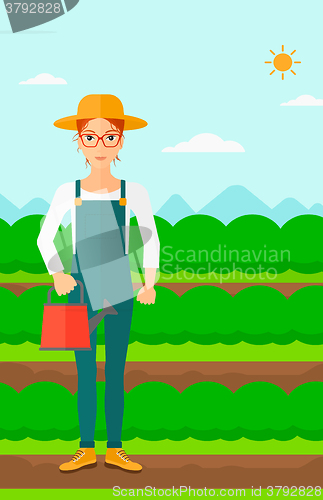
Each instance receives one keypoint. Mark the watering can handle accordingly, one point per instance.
(81, 292)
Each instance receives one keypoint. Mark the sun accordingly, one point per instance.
(283, 62)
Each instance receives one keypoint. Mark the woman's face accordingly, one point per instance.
(100, 153)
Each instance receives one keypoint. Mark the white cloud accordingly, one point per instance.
(44, 79)
(304, 100)
(205, 143)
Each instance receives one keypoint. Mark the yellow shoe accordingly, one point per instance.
(117, 457)
(84, 457)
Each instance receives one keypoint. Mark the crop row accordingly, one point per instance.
(204, 315)
(155, 410)
(198, 244)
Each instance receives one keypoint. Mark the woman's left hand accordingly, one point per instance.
(146, 296)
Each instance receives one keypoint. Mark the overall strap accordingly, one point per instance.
(123, 202)
(123, 199)
(78, 202)
(78, 199)
(77, 188)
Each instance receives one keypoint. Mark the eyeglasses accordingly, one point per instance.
(91, 140)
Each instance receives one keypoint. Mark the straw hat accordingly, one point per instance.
(100, 106)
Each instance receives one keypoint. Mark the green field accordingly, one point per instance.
(189, 446)
(106, 493)
(185, 352)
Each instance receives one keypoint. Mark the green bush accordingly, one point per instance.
(303, 236)
(159, 323)
(10, 321)
(192, 241)
(204, 315)
(306, 409)
(209, 412)
(262, 316)
(50, 411)
(156, 411)
(22, 317)
(24, 233)
(11, 416)
(305, 312)
(255, 240)
(20, 251)
(8, 263)
(198, 244)
(153, 411)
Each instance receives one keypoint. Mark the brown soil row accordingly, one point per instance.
(166, 471)
(180, 375)
(286, 289)
(19, 288)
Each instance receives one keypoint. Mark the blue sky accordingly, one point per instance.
(185, 67)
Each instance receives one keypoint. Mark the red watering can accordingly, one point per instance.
(65, 326)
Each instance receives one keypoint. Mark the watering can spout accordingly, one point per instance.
(66, 327)
(107, 309)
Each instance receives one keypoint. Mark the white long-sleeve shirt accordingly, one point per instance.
(64, 200)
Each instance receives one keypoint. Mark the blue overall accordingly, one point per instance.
(100, 244)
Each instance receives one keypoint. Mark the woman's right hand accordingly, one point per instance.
(63, 283)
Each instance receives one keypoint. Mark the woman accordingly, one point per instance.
(100, 209)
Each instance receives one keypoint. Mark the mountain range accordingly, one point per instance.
(10, 213)
(228, 205)
(234, 202)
